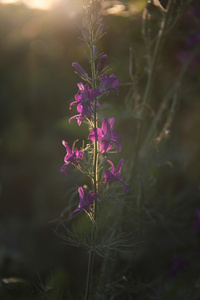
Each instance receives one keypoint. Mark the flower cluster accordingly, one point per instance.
(87, 101)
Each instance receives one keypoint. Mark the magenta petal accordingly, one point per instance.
(73, 212)
(81, 193)
(68, 149)
(96, 134)
(94, 93)
(119, 166)
(126, 188)
(111, 122)
(118, 146)
(79, 120)
(112, 165)
(108, 176)
(75, 102)
(105, 126)
(91, 197)
(80, 108)
(115, 136)
(98, 104)
(105, 146)
(85, 200)
(63, 169)
(74, 117)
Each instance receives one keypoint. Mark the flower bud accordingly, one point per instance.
(99, 31)
(85, 34)
(101, 62)
(79, 70)
(94, 18)
(85, 23)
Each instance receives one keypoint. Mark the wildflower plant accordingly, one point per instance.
(116, 228)
(102, 137)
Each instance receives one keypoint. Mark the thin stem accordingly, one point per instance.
(151, 59)
(95, 177)
(151, 62)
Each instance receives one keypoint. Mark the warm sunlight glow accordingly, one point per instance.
(116, 9)
(39, 4)
(8, 1)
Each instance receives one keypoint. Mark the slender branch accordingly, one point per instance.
(95, 176)
(151, 59)
(151, 62)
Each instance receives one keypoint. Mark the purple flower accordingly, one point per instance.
(115, 174)
(109, 83)
(73, 156)
(101, 63)
(106, 135)
(84, 111)
(179, 263)
(85, 200)
(85, 94)
(79, 70)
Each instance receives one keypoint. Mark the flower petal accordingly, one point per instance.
(115, 136)
(96, 134)
(91, 197)
(105, 146)
(81, 193)
(117, 145)
(119, 166)
(112, 165)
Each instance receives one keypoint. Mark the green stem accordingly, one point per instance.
(95, 179)
(151, 67)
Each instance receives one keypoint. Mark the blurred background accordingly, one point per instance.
(39, 40)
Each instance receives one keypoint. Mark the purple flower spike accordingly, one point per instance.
(84, 111)
(101, 63)
(85, 94)
(106, 135)
(115, 174)
(73, 156)
(79, 70)
(109, 83)
(85, 201)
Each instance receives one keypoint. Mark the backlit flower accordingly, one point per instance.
(106, 135)
(115, 174)
(85, 200)
(84, 111)
(109, 83)
(85, 94)
(73, 156)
